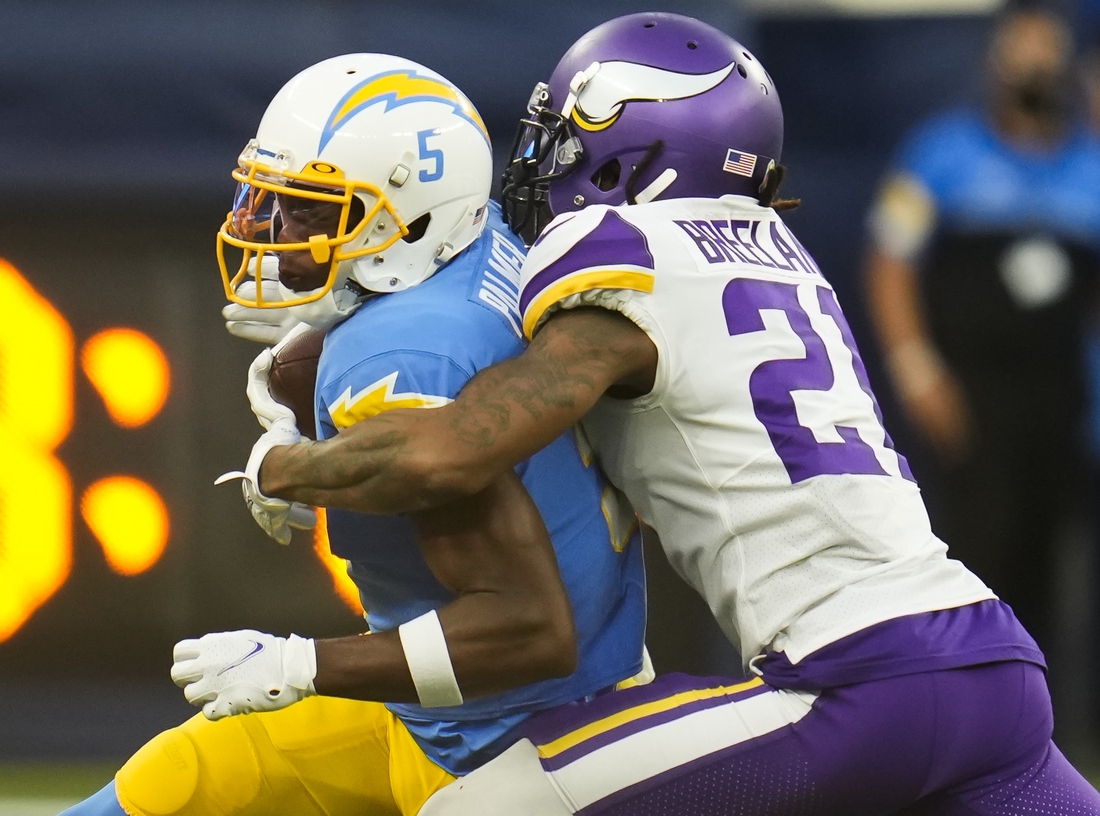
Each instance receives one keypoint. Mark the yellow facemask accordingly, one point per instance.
(253, 225)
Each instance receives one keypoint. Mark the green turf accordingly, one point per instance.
(55, 780)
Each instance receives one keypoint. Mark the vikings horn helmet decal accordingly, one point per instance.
(616, 83)
(643, 106)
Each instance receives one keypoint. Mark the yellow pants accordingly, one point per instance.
(323, 756)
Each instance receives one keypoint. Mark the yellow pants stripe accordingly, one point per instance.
(574, 738)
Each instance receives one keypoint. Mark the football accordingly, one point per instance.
(293, 377)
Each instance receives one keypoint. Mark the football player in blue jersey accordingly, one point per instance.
(673, 312)
(983, 273)
(369, 177)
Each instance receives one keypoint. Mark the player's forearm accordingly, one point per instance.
(364, 667)
(495, 644)
(411, 459)
(894, 300)
(378, 466)
(397, 462)
(510, 624)
(500, 642)
(897, 311)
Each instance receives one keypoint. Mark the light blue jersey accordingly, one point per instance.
(418, 348)
(980, 183)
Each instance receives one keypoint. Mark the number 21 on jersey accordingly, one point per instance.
(774, 383)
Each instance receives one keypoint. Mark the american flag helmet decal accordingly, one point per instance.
(738, 163)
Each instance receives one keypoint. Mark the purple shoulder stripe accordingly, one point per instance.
(613, 242)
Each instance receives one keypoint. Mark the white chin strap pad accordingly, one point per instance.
(324, 313)
(659, 185)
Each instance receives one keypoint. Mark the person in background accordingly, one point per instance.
(981, 271)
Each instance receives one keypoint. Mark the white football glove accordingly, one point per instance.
(276, 517)
(264, 406)
(238, 672)
(267, 326)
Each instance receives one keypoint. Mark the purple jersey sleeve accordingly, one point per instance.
(594, 250)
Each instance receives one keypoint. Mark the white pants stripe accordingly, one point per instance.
(669, 745)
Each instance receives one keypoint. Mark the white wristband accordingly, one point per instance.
(429, 661)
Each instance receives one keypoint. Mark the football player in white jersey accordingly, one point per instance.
(673, 313)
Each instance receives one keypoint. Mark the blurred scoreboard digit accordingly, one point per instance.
(121, 399)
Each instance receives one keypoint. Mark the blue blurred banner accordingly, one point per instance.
(157, 99)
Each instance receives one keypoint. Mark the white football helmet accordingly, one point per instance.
(398, 154)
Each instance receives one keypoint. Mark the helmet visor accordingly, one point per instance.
(252, 214)
(259, 215)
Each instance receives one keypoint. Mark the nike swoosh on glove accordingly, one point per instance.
(237, 672)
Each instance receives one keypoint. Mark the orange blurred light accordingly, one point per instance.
(130, 521)
(36, 357)
(337, 567)
(130, 372)
(36, 406)
(35, 531)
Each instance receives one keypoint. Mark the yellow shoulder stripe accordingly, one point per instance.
(591, 730)
(585, 281)
(622, 521)
(377, 397)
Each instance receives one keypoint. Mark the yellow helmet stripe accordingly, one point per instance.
(396, 88)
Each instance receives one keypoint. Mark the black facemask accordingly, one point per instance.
(544, 149)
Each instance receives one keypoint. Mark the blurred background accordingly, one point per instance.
(122, 396)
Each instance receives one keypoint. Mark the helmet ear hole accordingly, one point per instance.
(417, 228)
(606, 178)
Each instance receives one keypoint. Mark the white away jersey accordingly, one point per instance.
(759, 457)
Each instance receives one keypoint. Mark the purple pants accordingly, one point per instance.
(974, 740)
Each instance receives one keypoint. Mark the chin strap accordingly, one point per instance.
(334, 307)
(357, 289)
(576, 85)
(632, 194)
(465, 232)
(659, 185)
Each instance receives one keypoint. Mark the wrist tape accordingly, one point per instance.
(429, 661)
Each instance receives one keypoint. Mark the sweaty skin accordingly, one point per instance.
(511, 623)
(409, 460)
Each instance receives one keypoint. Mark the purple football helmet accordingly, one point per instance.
(643, 105)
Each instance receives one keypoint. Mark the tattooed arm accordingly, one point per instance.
(408, 460)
